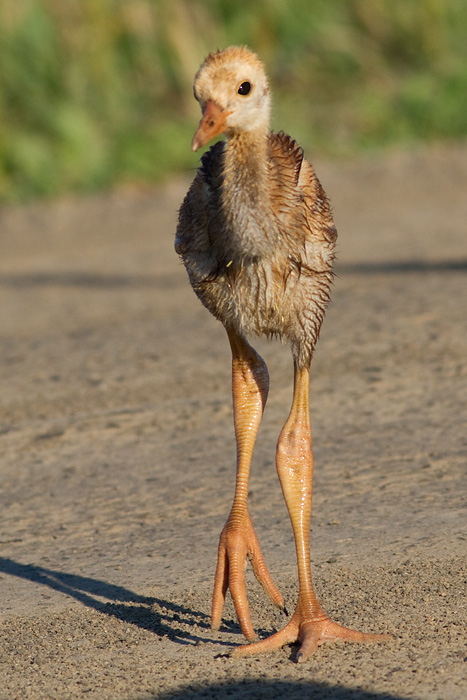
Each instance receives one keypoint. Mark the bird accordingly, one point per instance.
(256, 235)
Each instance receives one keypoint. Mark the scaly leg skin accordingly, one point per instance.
(309, 625)
(238, 541)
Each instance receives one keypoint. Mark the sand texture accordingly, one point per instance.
(117, 452)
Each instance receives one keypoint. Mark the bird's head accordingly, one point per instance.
(232, 89)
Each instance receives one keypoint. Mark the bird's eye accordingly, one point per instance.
(244, 88)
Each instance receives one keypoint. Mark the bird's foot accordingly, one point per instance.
(309, 633)
(238, 542)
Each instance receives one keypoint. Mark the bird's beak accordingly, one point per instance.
(211, 124)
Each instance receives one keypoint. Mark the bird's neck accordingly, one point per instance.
(246, 162)
(245, 193)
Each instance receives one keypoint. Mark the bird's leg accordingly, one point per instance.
(309, 625)
(238, 541)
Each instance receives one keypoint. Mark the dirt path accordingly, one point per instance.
(117, 451)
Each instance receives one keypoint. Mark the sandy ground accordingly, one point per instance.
(117, 450)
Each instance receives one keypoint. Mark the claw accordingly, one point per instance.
(237, 544)
(310, 634)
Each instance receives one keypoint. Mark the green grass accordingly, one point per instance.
(96, 92)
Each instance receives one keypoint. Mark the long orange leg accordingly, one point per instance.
(238, 541)
(309, 625)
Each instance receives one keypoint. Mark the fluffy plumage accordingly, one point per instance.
(255, 230)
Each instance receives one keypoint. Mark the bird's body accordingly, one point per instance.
(257, 238)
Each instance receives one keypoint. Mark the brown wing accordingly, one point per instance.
(305, 210)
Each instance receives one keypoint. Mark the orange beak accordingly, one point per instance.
(211, 124)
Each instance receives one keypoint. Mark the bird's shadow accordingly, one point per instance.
(162, 617)
(274, 689)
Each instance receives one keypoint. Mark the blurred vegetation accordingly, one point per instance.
(95, 92)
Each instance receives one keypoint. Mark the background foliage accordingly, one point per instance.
(94, 92)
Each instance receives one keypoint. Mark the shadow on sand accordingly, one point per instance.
(162, 617)
(272, 690)
(99, 281)
(402, 266)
